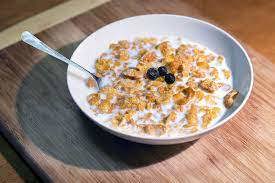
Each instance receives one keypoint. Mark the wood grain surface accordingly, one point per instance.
(40, 119)
(11, 12)
(12, 167)
(7, 173)
(46, 19)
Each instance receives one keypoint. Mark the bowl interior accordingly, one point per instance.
(161, 25)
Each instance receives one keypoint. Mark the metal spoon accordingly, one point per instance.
(30, 39)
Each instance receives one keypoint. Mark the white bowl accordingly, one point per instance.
(192, 29)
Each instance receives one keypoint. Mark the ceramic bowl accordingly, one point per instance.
(192, 29)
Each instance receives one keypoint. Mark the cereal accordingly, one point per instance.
(103, 65)
(117, 120)
(200, 95)
(90, 83)
(169, 58)
(191, 83)
(94, 99)
(220, 59)
(165, 48)
(123, 55)
(189, 92)
(181, 50)
(149, 57)
(179, 98)
(229, 98)
(171, 117)
(124, 44)
(209, 116)
(203, 65)
(142, 52)
(226, 73)
(133, 103)
(192, 116)
(105, 106)
(208, 85)
(132, 73)
(210, 99)
(215, 73)
(198, 73)
(154, 129)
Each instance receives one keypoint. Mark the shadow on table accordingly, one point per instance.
(53, 122)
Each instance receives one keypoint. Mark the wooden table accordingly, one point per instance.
(41, 121)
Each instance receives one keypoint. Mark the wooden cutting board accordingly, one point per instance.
(40, 119)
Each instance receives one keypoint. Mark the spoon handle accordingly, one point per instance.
(30, 39)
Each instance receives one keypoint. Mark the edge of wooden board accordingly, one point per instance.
(47, 19)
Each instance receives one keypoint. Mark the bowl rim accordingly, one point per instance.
(185, 136)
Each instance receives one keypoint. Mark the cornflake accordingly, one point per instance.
(192, 116)
(215, 73)
(226, 73)
(208, 85)
(210, 115)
